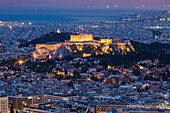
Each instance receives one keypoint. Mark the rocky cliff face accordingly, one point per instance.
(100, 49)
(84, 49)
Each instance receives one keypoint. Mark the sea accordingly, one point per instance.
(67, 16)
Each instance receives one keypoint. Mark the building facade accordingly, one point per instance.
(19, 102)
(3, 104)
(59, 98)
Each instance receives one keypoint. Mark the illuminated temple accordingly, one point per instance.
(79, 44)
(81, 38)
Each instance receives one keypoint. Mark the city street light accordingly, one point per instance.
(20, 62)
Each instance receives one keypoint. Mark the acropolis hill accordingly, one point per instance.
(83, 45)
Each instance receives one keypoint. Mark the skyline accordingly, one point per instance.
(84, 56)
(78, 3)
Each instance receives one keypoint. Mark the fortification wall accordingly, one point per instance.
(50, 47)
(106, 40)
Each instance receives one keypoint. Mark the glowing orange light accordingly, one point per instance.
(20, 62)
(107, 6)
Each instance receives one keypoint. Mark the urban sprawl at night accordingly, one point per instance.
(99, 67)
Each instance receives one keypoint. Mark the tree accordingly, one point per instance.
(117, 81)
(138, 90)
(152, 66)
(31, 81)
(5, 76)
(76, 74)
(77, 65)
(146, 88)
(166, 75)
(50, 37)
(102, 79)
(94, 78)
(140, 78)
(11, 110)
(70, 106)
(59, 77)
(99, 70)
(70, 84)
(136, 72)
(123, 83)
(68, 57)
(84, 69)
(146, 77)
(66, 72)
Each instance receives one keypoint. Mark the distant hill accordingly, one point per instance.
(153, 47)
(142, 52)
(52, 37)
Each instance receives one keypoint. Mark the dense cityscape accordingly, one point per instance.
(97, 67)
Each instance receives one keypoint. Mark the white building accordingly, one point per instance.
(59, 98)
(92, 69)
(3, 104)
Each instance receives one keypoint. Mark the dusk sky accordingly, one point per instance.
(77, 3)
